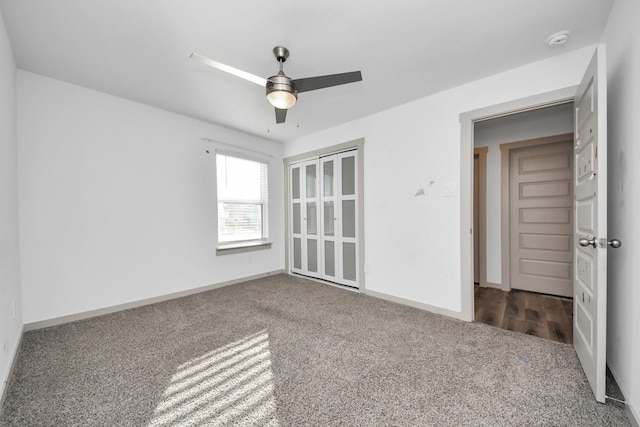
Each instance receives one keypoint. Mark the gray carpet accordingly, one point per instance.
(291, 352)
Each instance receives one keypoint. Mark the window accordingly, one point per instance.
(242, 199)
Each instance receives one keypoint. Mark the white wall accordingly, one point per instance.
(540, 123)
(118, 201)
(10, 326)
(413, 244)
(622, 36)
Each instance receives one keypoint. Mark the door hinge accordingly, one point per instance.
(596, 151)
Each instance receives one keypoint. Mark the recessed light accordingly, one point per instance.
(559, 38)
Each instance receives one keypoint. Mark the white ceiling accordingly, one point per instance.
(139, 50)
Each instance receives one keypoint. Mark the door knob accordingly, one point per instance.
(584, 241)
(614, 243)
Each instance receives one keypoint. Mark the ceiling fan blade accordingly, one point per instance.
(320, 82)
(228, 69)
(281, 115)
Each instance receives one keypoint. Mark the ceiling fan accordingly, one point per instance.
(282, 91)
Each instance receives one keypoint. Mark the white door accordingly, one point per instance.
(347, 218)
(305, 218)
(590, 223)
(323, 212)
(328, 218)
(295, 215)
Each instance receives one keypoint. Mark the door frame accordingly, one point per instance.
(467, 120)
(505, 199)
(357, 144)
(482, 214)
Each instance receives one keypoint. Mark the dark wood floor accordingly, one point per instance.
(541, 315)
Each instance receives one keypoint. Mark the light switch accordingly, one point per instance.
(449, 189)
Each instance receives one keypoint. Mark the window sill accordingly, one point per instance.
(240, 247)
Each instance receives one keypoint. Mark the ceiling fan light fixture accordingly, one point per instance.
(282, 99)
(280, 92)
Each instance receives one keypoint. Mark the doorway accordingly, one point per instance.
(530, 313)
(540, 205)
(590, 241)
(468, 122)
(527, 216)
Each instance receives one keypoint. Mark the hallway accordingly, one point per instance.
(530, 313)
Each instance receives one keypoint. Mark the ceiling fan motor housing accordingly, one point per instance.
(281, 83)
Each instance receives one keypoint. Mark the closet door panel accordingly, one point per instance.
(295, 183)
(329, 217)
(312, 255)
(349, 175)
(296, 219)
(305, 218)
(297, 253)
(349, 218)
(329, 259)
(328, 176)
(311, 176)
(324, 218)
(312, 219)
(349, 261)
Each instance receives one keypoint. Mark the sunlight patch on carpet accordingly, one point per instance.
(229, 385)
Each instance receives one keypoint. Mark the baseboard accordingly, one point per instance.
(415, 304)
(326, 282)
(120, 307)
(630, 412)
(12, 365)
(632, 415)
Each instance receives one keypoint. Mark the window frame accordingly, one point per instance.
(236, 246)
